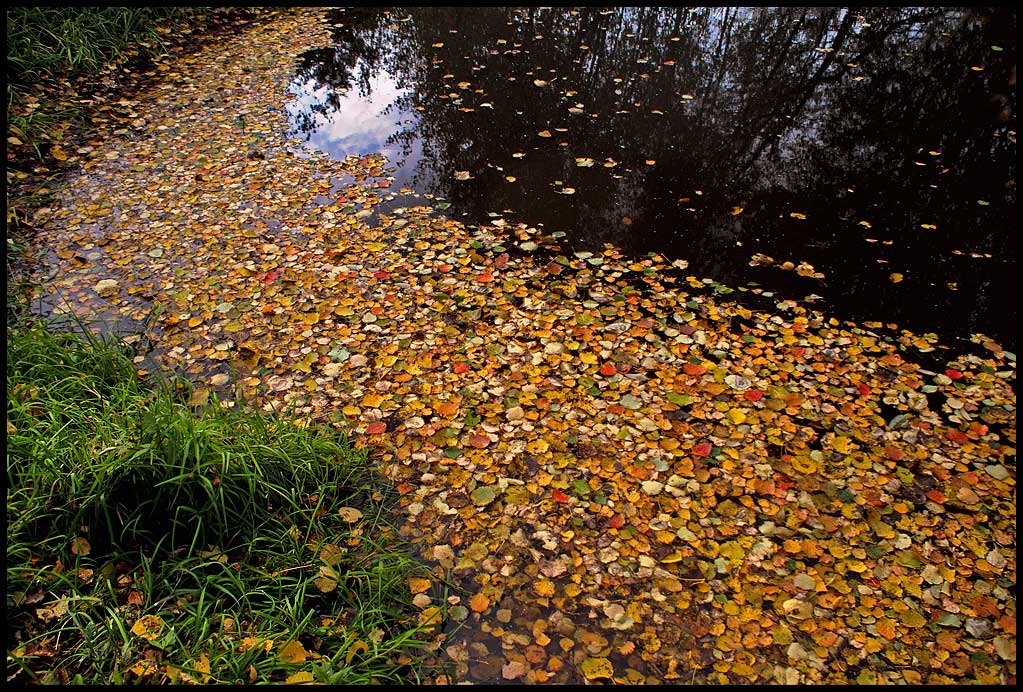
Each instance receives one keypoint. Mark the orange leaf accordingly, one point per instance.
(886, 628)
(447, 409)
(479, 603)
(376, 427)
(703, 449)
(418, 584)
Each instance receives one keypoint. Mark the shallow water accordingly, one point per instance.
(874, 153)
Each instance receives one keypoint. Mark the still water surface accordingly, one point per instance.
(872, 150)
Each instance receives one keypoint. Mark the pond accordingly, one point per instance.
(861, 161)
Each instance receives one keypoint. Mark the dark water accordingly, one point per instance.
(891, 130)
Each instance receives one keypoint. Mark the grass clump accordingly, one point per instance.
(48, 48)
(150, 542)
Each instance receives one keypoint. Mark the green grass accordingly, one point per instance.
(223, 523)
(44, 41)
(50, 45)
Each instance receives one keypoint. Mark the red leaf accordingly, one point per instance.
(376, 427)
(502, 259)
(559, 496)
(894, 453)
(383, 183)
(694, 369)
(864, 389)
(957, 436)
(703, 449)
(936, 496)
(381, 275)
(617, 521)
(459, 368)
(484, 277)
(444, 268)
(271, 277)
(954, 374)
(753, 395)
(607, 370)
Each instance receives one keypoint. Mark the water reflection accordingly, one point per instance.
(854, 145)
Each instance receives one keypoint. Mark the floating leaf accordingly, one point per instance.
(630, 402)
(479, 603)
(483, 495)
(597, 668)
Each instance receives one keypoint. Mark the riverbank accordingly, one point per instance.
(155, 535)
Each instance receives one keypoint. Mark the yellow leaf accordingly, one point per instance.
(372, 400)
(418, 584)
(912, 618)
(299, 678)
(736, 416)
(886, 628)
(736, 211)
(804, 465)
(430, 616)
(359, 647)
(544, 587)
(895, 277)
(843, 445)
(293, 652)
(252, 642)
(327, 579)
(597, 668)
(148, 627)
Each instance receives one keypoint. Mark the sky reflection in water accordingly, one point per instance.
(854, 146)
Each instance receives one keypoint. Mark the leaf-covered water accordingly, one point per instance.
(614, 474)
(862, 161)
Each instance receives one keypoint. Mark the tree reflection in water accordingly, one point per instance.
(875, 125)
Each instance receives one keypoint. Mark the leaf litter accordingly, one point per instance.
(633, 482)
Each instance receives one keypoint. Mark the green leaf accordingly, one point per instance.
(630, 402)
(679, 399)
(484, 495)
